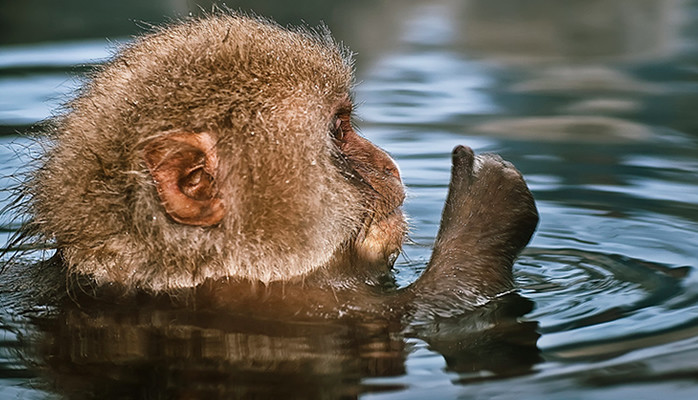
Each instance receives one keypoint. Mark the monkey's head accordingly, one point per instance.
(218, 147)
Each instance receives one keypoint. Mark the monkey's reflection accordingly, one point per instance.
(155, 351)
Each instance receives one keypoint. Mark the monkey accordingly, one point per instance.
(207, 195)
(218, 157)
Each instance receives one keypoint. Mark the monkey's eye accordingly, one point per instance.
(336, 128)
(341, 125)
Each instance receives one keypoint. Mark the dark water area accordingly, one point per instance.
(596, 103)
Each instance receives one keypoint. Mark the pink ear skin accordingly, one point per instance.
(183, 166)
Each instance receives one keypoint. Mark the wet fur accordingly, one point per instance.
(94, 199)
(302, 211)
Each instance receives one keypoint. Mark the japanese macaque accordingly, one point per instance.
(217, 156)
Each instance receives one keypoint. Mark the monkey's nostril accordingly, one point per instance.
(392, 171)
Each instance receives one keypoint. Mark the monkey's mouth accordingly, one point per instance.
(383, 238)
(392, 257)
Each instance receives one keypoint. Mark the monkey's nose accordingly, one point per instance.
(389, 165)
(392, 170)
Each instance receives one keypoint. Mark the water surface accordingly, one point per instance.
(595, 104)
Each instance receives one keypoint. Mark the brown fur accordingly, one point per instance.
(267, 93)
(219, 152)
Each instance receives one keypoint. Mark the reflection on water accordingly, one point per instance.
(594, 101)
(147, 351)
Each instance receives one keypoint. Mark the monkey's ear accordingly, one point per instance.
(183, 166)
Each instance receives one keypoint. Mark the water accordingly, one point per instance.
(594, 102)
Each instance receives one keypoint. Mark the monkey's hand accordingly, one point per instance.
(489, 208)
(489, 217)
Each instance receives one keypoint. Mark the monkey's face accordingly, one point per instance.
(382, 235)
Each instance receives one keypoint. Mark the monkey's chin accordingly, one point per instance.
(383, 239)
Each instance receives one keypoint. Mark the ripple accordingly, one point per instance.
(591, 304)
